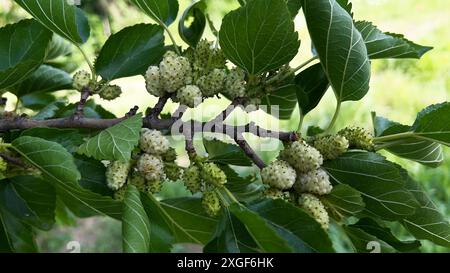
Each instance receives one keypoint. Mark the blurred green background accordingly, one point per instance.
(399, 89)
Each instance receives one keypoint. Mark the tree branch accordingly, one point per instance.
(79, 108)
(13, 160)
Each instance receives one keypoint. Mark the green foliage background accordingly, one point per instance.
(399, 89)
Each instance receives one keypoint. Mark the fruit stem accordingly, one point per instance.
(86, 58)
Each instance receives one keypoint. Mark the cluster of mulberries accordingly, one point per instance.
(205, 177)
(331, 146)
(314, 207)
(148, 168)
(358, 138)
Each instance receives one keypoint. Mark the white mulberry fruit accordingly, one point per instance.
(302, 157)
(152, 82)
(192, 179)
(211, 203)
(331, 146)
(279, 174)
(235, 84)
(190, 95)
(275, 193)
(314, 207)
(110, 92)
(81, 79)
(175, 72)
(317, 182)
(213, 175)
(116, 174)
(213, 83)
(151, 167)
(153, 142)
(358, 138)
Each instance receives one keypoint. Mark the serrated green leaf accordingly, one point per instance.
(49, 111)
(243, 188)
(343, 201)
(312, 83)
(58, 47)
(259, 36)
(427, 223)
(29, 199)
(225, 153)
(193, 32)
(263, 233)
(380, 182)
(188, 220)
(66, 20)
(370, 226)
(58, 168)
(230, 237)
(130, 51)
(294, 7)
(38, 101)
(115, 143)
(164, 11)
(135, 223)
(18, 235)
(423, 151)
(340, 47)
(364, 242)
(281, 102)
(45, 79)
(93, 175)
(294, 225)
(388, 45)
(68, 138)
(30, 42)
(433, 123)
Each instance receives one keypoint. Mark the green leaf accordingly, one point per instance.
(45, 79)
(364, 242)
(259, 36)
(135, 224)
(264, 234)
(433, 123)
(68, 138)
(58, 168)
(231, 236)
(370, 226)
(188, 220)
(427, 223)
(19, 236)
(116, 142)
(58, 47)
(30, 42)
(388, 45)
(38, 101)
(243, 188)
(380, 182)
(193, 32)
(294, 7)
(164, 11)
(161, 232)
(283, 100)
(343, 201)
(60, 17)
(225, 153)
(340, 47)
(130, 51)
(30, 199)
(423, 151)
(93, 175)
(91, 110)
(48, 111)
(294, 225)
(312, 83)
(5, 244)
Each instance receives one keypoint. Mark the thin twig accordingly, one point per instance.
(14, 160)
(79, 109)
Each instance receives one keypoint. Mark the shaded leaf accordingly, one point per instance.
(243, 188)
(164, 11)
(343, 201)
(312, 83)
(281, 102)
(193, 32)
(225, 153)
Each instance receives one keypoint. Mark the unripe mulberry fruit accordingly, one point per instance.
(317, 182)
(170, 155)
(138, 181)
(331, 146)
(192, 179)
(110, 92)
(119, 195)
(3, 166)
(235, 84)
(302, 157)
(173, 171)
(211, 203)
(275, 193)
(175, 72)
(152, 81)
(213, 175)
(151, 167)
(190, 95)
(358, 138)
(279, 174)
(208, 57)
(81, 79)
(153, 142)
(116, 174)
(213, 83)
(154, 186)
(314, 207)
